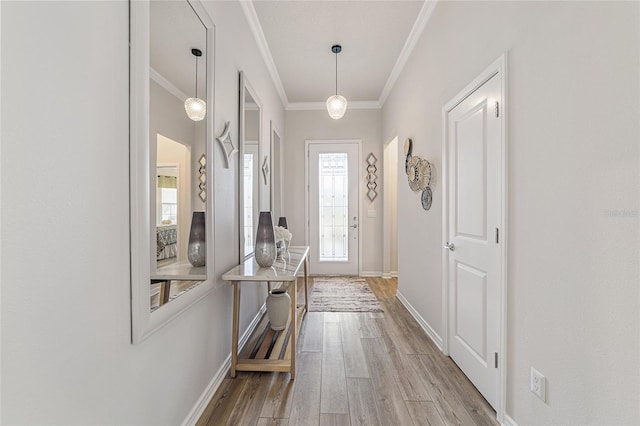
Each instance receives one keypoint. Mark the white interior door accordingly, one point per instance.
(332, 171)
(474, 156)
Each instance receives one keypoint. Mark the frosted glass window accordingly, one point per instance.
(248, 203)
(333, 196)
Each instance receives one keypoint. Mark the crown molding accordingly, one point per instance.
(321, 106)
(263, 46)
(167, 85)
(418, 27)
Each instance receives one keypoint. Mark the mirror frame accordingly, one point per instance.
(144, 322)
(245, 85)
(276, 165)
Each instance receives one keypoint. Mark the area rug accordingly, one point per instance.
(342, 294)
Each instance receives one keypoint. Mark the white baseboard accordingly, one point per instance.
(371, 273)
(394, 274)
(201, 405)
(423, 324)
(386, 275)
(508, 421)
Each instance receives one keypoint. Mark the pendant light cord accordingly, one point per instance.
(336, 73)
(196, 76)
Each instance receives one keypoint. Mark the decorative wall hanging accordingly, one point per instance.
(408, 149)
(371, 177)
(228, 148)
(419, 173)
(426, 198)
(265, 169)
(203, 178)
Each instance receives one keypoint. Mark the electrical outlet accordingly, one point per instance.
(538, 384)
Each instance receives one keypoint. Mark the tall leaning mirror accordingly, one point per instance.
(250, 165)
(171, 179)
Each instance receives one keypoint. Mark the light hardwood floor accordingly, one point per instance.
(356, 369)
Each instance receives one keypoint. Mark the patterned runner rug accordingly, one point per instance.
(342, 294)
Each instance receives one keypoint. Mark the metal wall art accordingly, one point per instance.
(265, 169)
(371, 177)
(203, 178)
(419, 173)
(228, 148)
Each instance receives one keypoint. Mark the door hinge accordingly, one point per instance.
(496, 359)
(497, 236)
(497, 109)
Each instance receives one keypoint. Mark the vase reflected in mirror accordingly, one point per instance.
(282, 221)
(265, 250)
(197, 250)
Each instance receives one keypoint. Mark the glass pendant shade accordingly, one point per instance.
(336, 106)
(196, 108)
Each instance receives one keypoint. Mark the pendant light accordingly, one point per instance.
(196, 108)
(336, 104)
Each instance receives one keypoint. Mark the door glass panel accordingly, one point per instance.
(333, 196)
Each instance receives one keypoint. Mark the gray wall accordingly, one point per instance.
(573, 133)
(364, 125)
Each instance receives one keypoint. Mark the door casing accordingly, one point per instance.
(306, 191)
(497, 67)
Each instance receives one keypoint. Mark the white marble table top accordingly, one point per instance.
(180, 271)
(285, 268)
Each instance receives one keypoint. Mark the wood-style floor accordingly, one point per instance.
(356, 369)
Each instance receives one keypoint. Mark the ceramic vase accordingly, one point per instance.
(278, 307)
(265, 251)
(282, 221)
(197, 250)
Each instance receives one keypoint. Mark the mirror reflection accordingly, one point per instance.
(250, 118)
(178, 73)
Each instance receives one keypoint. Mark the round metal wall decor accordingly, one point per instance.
(418, 173)
(408, 147)
(426, 198)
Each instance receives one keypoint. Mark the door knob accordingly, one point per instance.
(450, 246)
(354, 226)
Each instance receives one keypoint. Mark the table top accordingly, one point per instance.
(285, 268)
(180, 271)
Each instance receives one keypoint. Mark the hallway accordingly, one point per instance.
(356, 368)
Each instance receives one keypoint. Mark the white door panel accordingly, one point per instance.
(474, 141)
(333, 208)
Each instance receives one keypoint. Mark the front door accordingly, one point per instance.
(474, 158)
(333, 207)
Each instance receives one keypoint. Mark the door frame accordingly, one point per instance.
(389, 187)
(308, 142)
(497, 67)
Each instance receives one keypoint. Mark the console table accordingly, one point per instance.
(183, 271)
(284, 269)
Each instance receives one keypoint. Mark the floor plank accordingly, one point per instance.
(389, 402)
(279, 397)
(362, 402)
(306, 395)
(327, 419)
(333, 394)
(221, 406)
(272, 422)
(352, 347)
(311, 341)
(424, 413)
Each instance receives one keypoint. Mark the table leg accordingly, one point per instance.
(306, 285)
(294, 326)
(236, 324)
(165, 290)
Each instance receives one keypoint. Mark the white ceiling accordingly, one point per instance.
(299, 35)
(175, 29)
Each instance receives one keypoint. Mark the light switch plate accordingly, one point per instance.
(538, 384)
